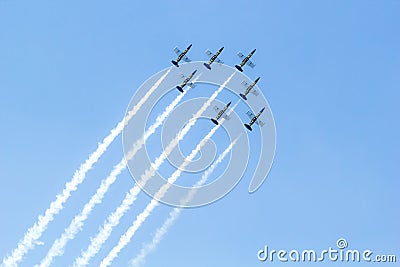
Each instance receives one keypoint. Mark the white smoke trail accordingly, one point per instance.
(174, 214)
(140, 219)
(115, 217)
(160, 160)
(57, 249)
(35, 232)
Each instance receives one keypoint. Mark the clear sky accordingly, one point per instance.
(330, 72)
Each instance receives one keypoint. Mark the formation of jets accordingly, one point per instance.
(221, 112)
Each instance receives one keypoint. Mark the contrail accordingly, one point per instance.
(174, 214)
(76, 224)
(35, 232)
(160, 160)
(140, 219)
(114, 218)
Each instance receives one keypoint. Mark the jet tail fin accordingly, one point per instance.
(175, 63)
(239, 68)
(248, 127)
(215, 121)
(207, 66)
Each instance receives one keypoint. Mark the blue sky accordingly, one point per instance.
(330, 71)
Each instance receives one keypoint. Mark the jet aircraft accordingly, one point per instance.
(249, 89)
(245, 60)
(221, 113)
(186, 81)
(213, 57)
(181, 55)
(254, 119)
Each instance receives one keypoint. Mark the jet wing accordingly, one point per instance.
(250, 114)
(178, 52)
(250, 64)
(225, 116)
(211, 54)
(241, 55)
(258, 121)
(253, 91)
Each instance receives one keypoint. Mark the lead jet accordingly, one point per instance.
(249, 89)
(254, 119)
(245, 60)
(186, 81)
(213, 57)
(221, 113)
(181, 55)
